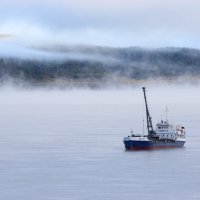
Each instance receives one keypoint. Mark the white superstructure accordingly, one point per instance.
(164, 130)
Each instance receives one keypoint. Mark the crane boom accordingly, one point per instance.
(149, 119)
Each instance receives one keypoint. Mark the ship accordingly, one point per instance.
(164, 135)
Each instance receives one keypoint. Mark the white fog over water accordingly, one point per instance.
(67, 144)
(71, 77)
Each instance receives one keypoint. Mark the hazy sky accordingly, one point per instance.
(152, 23)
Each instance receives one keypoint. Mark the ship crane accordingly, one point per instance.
(150, 129)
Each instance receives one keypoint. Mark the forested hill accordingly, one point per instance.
(99, 66)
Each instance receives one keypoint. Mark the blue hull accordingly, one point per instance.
(138, 145)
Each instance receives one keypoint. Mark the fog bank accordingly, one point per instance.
(81, 66)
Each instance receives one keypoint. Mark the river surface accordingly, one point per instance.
(67, 145)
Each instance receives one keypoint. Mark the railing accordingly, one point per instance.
(180, 135)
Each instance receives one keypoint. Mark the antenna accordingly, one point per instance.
(143, 126)
(149, 119)
(166, 113)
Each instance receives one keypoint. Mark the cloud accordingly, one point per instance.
(112, 22)
(3, 35)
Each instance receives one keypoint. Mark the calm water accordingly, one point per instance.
(68, 146)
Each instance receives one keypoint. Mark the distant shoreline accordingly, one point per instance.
(100, 67)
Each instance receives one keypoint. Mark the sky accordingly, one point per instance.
(116, 23)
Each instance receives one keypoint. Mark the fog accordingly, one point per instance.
(80, 66)
(179, 100)
(55, 141)
(17, 51)
(40, 53)
(158, 95)
(71, 78)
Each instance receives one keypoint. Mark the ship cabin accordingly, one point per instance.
(164, 131)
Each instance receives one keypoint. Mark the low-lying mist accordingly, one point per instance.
(157, 94)
(180, 100)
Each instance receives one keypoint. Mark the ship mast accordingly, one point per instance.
(149, 121)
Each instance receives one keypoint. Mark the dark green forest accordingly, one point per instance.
(99, 66)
